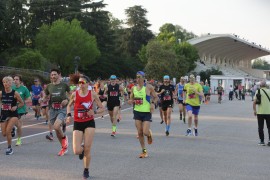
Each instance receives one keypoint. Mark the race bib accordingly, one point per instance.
(6, 107)
(82, 114)
(36, 96)
(191, 96)
(138, 101)
(167, 98)
(56, 105)
(113, 93)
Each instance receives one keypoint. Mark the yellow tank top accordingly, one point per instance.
(141, 100)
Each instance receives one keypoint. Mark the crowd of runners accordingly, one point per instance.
(80, 99)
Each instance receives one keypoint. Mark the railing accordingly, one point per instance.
(41, 73)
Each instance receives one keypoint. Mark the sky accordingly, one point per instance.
(250, 19)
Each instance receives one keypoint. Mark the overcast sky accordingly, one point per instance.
(250, 19)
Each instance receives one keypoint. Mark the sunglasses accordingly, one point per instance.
(82, 82)
(138, 76)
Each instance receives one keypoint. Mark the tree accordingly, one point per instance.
(62, 41)
(260, 64)
(205, 75)
(29, 59)
(161, 60)
(138, 33)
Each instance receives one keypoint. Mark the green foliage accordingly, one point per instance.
(260, 64)
(62, 41)
(205, 75)
(29, 59)
(161, 60)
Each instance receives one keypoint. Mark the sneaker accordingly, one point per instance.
(13, 132)
(49, 137)
(261, 143)
(143, 155)
(118, 120)
(113, 134)
(46, 122)
(150, 138)
(161, 122)
(19, 142)
(188, 132)
(86, 174)
(9, 151)
(65, 143)
(180, 116)
(102, 117)
(195, 132)
(82, 154)
(64, 127)
(63, 151)
(167, 133)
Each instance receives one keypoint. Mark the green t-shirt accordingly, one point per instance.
(264, 107)
(24, 93)
(206, 89)
(57, 92)
(192, 98)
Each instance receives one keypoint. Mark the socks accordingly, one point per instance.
(168, 127)
(114, 128)
(64, 137)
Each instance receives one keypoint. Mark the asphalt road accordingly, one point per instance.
(226, 148)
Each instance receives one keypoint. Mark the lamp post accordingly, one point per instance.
(76, 63)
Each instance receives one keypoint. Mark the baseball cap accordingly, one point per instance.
(113, 77)
(192, 76)
(141, 73)
(166, 77)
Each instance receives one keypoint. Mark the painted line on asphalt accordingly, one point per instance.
(37, 134)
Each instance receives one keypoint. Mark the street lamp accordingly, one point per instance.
(76, 63)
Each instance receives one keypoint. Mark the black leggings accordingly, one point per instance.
(261, 118)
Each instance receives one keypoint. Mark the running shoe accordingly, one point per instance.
(180, 116)
(46, 122)
(65, 143)
(261, 143)
(86, 174)
(63, 151)
(102, 117)
(150, 137)
(188, 132)
(118, 120)
(49, 137)
(113, 134)
(143, 154)
(82, 154)
(167, 133)
(195, 132)
(13, 132)
(19, 142)
(64, 127)
(9, 151)
(161, 122)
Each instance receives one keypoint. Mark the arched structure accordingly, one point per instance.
(226, 49)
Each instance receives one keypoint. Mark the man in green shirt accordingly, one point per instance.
(25, 95)
(263, 112)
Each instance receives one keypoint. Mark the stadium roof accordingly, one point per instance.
(227, 46)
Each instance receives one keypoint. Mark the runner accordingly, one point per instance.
(9, 113)
(113, 91)
(140, 96)
(102, 96)
(26, 97)
(192, 93)
(84, 123)
(206, 92)
(219, 91)
(57, 92)
(167, 93)
(182, 107)
(159, 102)
(36, 90)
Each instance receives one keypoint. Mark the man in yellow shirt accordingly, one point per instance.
(192, 93)
(263, 112)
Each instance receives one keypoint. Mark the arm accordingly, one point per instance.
(19, 100)
(101, 109)
(71, 102)
(131, 98)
